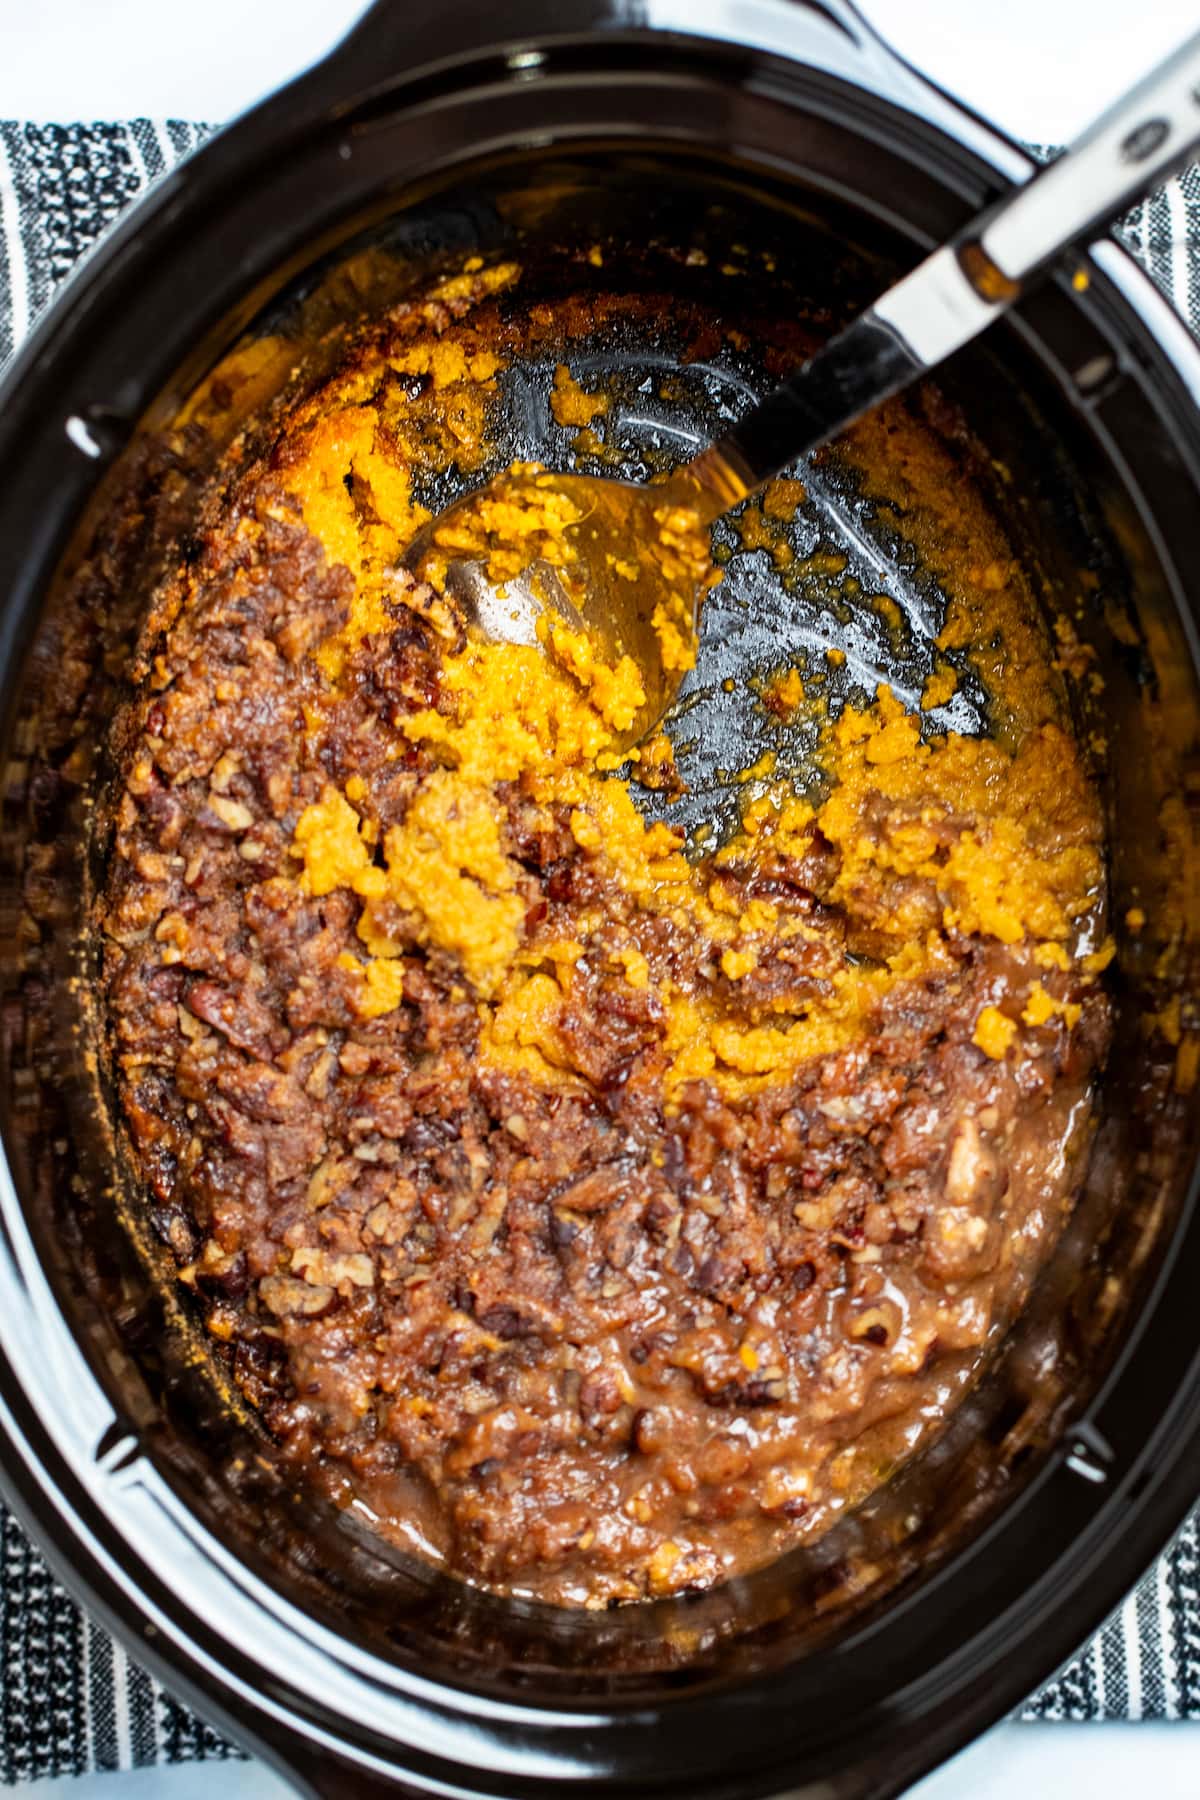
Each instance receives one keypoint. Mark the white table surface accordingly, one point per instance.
(1040, 68)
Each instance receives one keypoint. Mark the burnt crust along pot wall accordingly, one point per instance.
(63, 1154)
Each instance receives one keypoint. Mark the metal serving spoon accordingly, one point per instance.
(627, 566)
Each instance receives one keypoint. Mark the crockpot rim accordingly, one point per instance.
(1109, 258)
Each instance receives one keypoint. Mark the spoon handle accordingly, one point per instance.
(961, 288)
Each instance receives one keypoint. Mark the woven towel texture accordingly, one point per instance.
(70, 1699)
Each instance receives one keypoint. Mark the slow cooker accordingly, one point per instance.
(848, 1668)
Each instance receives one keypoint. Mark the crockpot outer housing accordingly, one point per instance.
(413, 91)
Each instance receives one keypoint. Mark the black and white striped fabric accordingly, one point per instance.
(61, 186)
(70, 1699)
(1163, 234)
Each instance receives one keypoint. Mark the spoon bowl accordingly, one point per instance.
(607, 574)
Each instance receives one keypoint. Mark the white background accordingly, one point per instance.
(1039, 68)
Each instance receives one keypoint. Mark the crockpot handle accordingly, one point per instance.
(395, 38)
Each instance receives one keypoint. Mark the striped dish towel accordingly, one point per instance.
(70, 1699)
